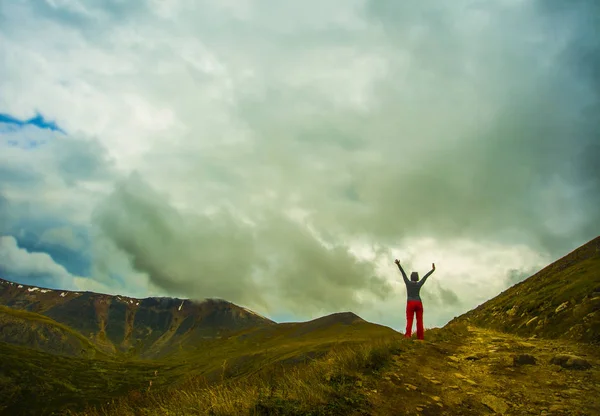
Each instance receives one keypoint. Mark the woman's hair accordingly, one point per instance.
(414, 276)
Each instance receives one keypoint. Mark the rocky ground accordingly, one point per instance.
(490, 373)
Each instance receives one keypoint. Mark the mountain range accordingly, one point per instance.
(63, 351)
(147, 327)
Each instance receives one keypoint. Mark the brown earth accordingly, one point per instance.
(481, 374)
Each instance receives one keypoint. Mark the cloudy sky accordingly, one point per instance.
(280, 155)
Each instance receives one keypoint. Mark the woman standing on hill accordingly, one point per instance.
(413, 301)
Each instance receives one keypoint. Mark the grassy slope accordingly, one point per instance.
(30, 329)
(35, 382)
(531, 307)
(287, 344)
(339, 383)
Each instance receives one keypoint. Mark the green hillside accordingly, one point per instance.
(33, 382)
(29, 377)
(36, 331)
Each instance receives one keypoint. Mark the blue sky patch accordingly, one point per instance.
(38, 121)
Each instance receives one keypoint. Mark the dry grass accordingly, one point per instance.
(332, 385)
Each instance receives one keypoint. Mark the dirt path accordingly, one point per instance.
(490, 373)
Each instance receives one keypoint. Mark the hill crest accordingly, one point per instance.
(562, 300)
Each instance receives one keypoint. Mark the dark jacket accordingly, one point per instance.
(413, 288)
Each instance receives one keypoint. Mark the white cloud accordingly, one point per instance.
(25, 266)
(63, 236)
(387, 124)
(18, 262)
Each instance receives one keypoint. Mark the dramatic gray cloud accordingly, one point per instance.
(48, 174)
(285, 154)
(271, 262)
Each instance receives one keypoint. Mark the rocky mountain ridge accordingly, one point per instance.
(560, 301)
(120, 324)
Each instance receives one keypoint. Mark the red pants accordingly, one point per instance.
(412, 307)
